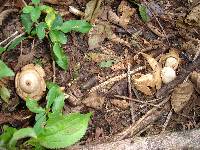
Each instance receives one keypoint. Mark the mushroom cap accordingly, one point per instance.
(30, 82)
(171, 59)
(171, 62)
(168, 74)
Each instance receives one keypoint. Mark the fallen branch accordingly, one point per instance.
(175, 140)
(135, 100)
(115, 79)
(11, 36)
(151, 116)
(18, 36)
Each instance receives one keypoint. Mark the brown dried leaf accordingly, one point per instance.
(195, 78)
(155, 30)
(96, 36)
(92, 10)
(20, 3)
(156, 69)
(94, 100)
(193, 18)
(112, 17)
(122, 104)
(114, 38)
(126, 12)
(181, 96)
(73, 100)
(144, 82)
(191, 47)
(172, 53)
(101, 31)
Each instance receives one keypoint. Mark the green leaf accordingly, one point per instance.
(60, 57)
(33, 32)
(49, 19)
(5, 71)
(57, 36)
(2, 49)
(26, 22)
(143, 12)
(45, 8)
(57, 22)
(53, 93)
(58, 104)
(64, 131)
(20, 134)
(16, 42)
(35, 2)
(40, 29)
(5, 94)
(27, 9)
(35, 14)
(107, 63)
(51, 84)
(35, 144)
(33, 106)
(40, 122)
(76, 25)
(6, 135)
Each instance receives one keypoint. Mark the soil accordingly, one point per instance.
(111, 115)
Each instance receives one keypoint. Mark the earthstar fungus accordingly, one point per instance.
(30, 82)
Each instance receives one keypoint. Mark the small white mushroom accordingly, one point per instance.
(30, 82)
(170, 59)
(168, 74)
(171, 62)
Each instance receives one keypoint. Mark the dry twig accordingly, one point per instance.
(11, 36)
(54, 71)
(130, 87)
(152, 115)
(116, 78)
(167, 121)
(18, 36)
(136, 100)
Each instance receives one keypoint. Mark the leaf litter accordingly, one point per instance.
(115, 25)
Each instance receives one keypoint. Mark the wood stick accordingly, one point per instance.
(175, 140)
(152, 115)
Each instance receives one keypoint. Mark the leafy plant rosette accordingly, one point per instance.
(52, 128)
(44, 21)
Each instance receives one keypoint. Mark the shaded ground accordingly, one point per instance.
(111, 115)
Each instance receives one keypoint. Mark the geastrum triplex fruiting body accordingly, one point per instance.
(30, 82)
(163, 71)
